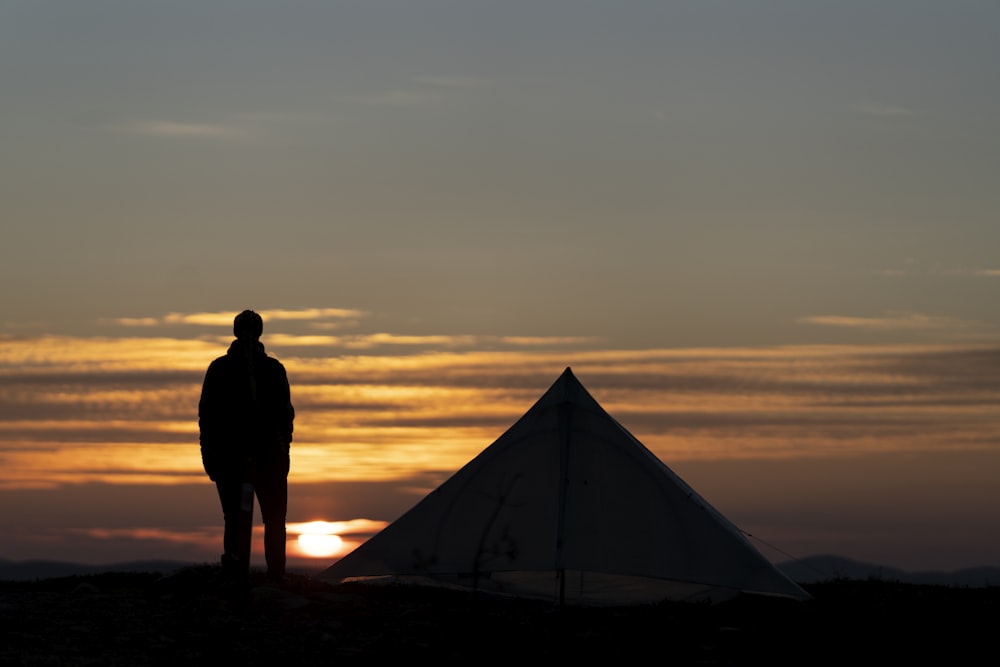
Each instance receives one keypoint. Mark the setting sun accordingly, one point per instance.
(317, 539)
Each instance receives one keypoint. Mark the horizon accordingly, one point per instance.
(763, 237)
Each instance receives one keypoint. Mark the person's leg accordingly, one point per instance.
(272, 493)
(230, 490)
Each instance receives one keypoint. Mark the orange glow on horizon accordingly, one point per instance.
(124, 411)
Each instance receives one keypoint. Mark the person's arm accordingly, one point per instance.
(207, 428)
(286, 412)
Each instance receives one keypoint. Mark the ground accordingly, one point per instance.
(193, 618)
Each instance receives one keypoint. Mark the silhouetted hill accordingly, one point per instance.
(814, 569)
(831, 568)
(48, 569)
(195, 617)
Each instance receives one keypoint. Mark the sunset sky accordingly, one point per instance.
(763, 234)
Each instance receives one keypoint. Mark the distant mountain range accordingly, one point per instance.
(814, 569)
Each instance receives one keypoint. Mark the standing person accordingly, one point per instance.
(245, 419)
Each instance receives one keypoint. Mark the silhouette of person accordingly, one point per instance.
(245, 419)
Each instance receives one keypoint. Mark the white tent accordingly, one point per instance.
(567, 505)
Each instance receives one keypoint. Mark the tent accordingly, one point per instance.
(568, 506)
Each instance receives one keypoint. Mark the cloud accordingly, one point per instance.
(313, 313)
(173, 129)
(53, 355)
(319, 321)
(156, 534)
(911, 268)
(892, 321)
(430, 88)
(124, 411)
(291, 340)
(448, 81)
(388, 404)
(203, 319)
(136, 321)
(375, 339)
(370, 341)
(225, 318)
(530, 341)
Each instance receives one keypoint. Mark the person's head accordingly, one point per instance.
(248, 325)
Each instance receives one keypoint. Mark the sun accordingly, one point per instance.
(317, 541)
(319, 546)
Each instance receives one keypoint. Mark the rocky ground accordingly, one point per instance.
(192, 618)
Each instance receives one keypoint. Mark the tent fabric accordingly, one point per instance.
(567, 505)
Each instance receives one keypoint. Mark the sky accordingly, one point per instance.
(763, 235)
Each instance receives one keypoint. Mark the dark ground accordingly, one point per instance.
(190, 618)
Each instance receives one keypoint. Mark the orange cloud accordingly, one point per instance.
(75, 410)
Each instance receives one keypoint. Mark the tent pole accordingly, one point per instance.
(565, 418)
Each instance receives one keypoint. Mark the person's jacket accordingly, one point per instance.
(245, 412)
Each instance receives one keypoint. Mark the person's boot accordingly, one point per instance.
(235, 576)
